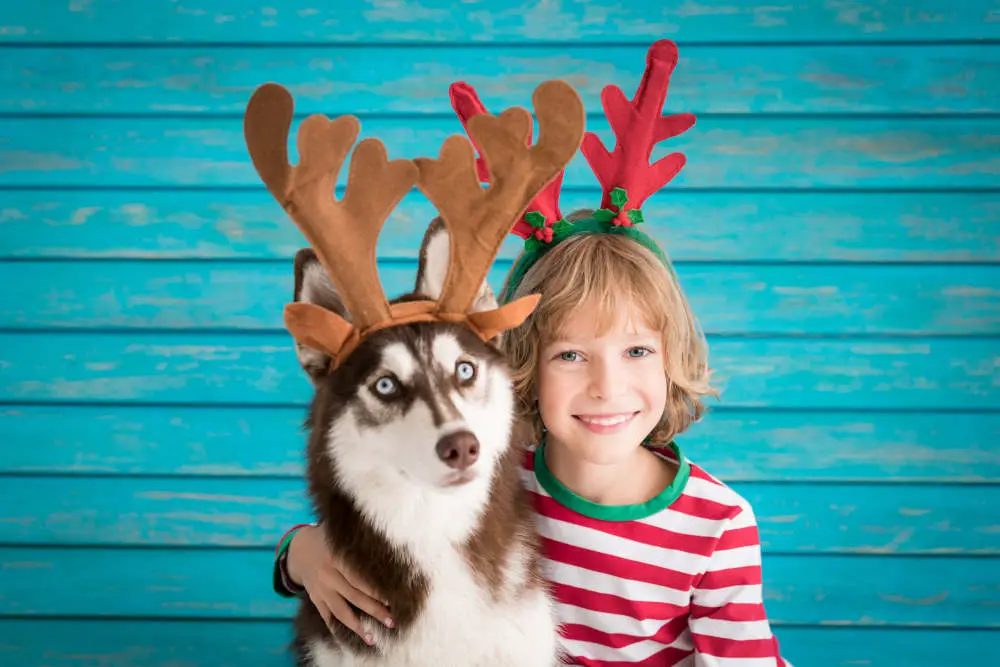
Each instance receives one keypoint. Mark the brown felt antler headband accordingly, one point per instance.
(344, 233)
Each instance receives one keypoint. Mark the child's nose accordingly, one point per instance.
(606, 379)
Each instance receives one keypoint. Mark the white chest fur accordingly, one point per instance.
(464, 625)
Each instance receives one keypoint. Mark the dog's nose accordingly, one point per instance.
(459, 450)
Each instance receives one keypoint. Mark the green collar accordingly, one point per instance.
(587, 508)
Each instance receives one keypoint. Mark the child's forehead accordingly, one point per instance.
(587, 321)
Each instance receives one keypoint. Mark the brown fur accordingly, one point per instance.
(508, 517)
(365, 550)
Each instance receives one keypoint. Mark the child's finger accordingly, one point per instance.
(361, 585)
(339, 609)
(367, 604)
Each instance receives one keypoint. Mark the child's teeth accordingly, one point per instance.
(607, 422)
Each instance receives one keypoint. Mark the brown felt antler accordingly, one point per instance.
(344, 233)
(479, 219)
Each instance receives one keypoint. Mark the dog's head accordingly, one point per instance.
(427, 403)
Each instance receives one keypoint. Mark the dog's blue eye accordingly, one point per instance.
(385, 386)
(465, 371)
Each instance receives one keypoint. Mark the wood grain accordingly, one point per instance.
(693, 226)
(170, 643)
(495, 21)
(862, 590)
(377, 79)
(723, 152)
(734, 445)
(254, 368)
(205, 512)
(728, 298)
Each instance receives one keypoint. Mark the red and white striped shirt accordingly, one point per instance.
(673, 581)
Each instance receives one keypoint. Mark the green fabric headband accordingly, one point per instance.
(601, 221)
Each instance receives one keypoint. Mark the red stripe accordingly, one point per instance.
(737, 576)
(529, 461)
(733, 611)
(733, 648)
(666, 635)
(738, 537)
(615, 604)
(615, 566)
(668, 656)
(635, 531)
(704, 508)
(699, 473)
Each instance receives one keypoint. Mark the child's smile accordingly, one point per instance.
(601, 393)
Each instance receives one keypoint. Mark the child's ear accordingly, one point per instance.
(313, 285)
(435, 255)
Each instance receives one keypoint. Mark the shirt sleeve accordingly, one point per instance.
(729, 626)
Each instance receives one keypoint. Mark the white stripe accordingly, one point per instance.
(615, 624)
(595, 540)
(597, 582)
(636, 652)
(685, 524)
(724, 495)
(728, 559)
(736, 630)
(749, 594)
(712, 661)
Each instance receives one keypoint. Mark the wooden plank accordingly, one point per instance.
(495, 21)
(200, 512)
(254, 368)
(734, 445)
(167, 643)
(722, 151)
(798, 299)
(235, 584)
(379, 79)
(693, 226)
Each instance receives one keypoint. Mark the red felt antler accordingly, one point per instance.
(467, 104)
(638, 127)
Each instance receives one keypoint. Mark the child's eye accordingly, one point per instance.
(639, 352)
(569, 356)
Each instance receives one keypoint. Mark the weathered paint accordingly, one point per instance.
(260, 368)
(728, 298)
(734, 226)
(365, 79)
(836, 229)
(723, 151)
(500, 21)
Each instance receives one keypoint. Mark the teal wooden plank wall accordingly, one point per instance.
(837, 229)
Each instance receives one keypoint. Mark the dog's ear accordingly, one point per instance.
(435, 255)
(313, 285)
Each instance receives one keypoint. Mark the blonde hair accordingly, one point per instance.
(603, 273)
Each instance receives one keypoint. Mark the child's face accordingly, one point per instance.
(600, 396)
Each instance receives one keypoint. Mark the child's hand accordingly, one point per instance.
(330, 584)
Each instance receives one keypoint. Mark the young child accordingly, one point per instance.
(651, 560)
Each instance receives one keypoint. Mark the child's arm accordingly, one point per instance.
(306, 565)
(728, 623)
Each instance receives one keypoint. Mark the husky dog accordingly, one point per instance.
(414, 459)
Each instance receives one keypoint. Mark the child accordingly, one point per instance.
(651, 560)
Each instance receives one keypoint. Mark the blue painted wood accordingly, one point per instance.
(227, 584)
(862, 134)
(723, 152)
(814, 299)
(735, 445)
(168, 643)
(140, 511)
(379, 79)
(693, 226)
(496, 21)
(256, 368)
